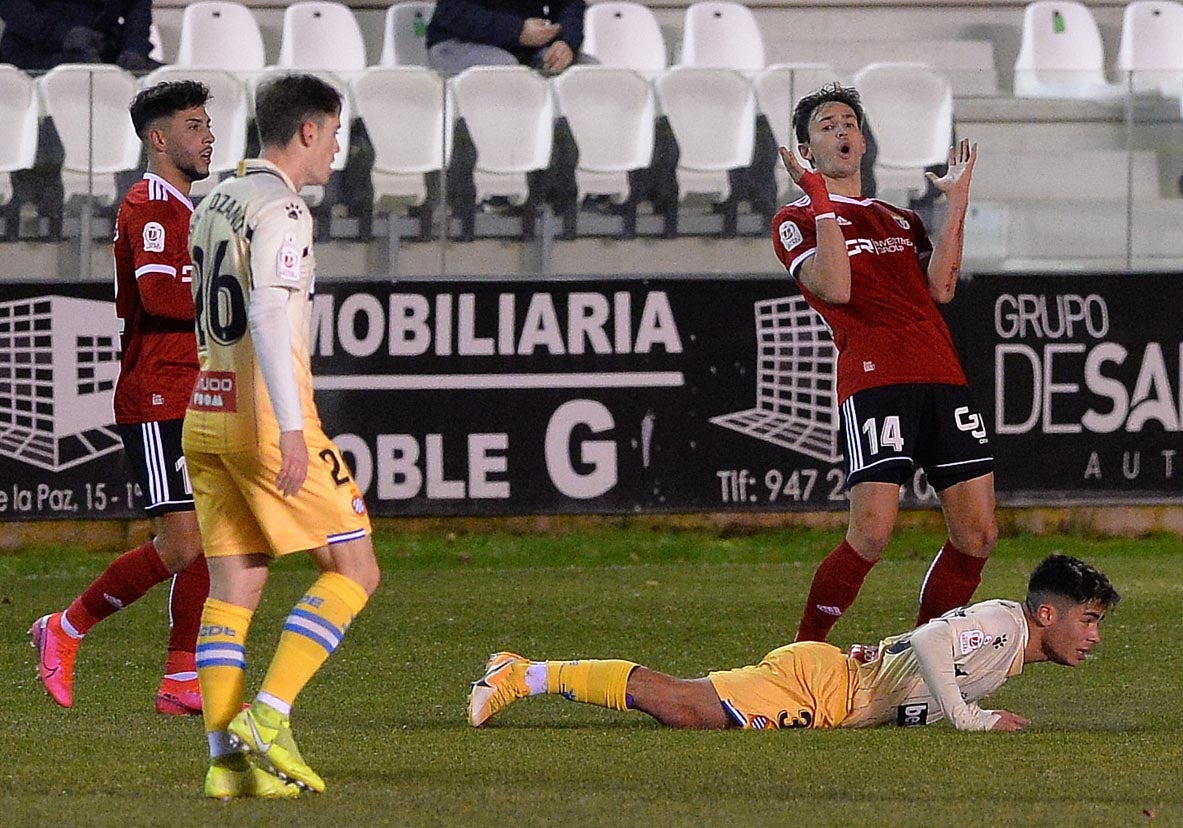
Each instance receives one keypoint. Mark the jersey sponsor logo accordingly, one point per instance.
(790, 235)
(902, 222)
(215, 391)
(880, 247)
(153, 237)
(971, 640)
(803, 719)
(868, 366)
(287, 261)
(293, 209)
(843, 222)
(912, 715)
(157, 399)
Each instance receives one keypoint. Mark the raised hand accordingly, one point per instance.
(955, 182)
(811, 183)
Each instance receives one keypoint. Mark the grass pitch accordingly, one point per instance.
(384, 721)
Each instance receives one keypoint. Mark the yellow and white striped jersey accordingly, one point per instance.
(985, 644)
(251, 234)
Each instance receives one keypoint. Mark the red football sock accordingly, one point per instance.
(950, 582)
(124, 581)
(835, 586)
(189, 591)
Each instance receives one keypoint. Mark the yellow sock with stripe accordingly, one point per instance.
(592, 681)
(311, 633)
(221, 661)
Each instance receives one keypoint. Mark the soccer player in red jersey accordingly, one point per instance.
(154, 303)
(872, 273)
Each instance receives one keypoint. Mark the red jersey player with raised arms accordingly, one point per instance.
(154, 302)
(869, 269)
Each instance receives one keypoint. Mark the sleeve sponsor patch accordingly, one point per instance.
(153, 237)
(790, 235)
(287, 261)
(971, 640)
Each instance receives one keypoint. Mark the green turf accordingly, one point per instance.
(384, 722)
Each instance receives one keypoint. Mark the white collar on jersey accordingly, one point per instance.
(158, 180)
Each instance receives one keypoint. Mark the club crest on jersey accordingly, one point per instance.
(790, 235)
(287, 262)
(153, 237)
(971, 640)
(902, 222)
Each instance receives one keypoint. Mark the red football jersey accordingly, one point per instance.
(154, 303)
(890, 332)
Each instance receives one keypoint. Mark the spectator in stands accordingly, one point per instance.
(40, 34)
(465, 33)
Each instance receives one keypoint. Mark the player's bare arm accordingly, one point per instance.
(944, 266)
(827, 273)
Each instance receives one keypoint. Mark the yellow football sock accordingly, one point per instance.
(311, 633)
(221, 661)
(593, 681)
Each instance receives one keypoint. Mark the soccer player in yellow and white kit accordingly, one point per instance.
(266, 479)
(938, 670)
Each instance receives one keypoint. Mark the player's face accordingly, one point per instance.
(836, 143)
(324, 149)
(189, 142)
(1073, 633)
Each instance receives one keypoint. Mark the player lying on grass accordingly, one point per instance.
(938, 670)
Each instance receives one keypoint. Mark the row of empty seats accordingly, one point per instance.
(1061, 54)
(612, 120)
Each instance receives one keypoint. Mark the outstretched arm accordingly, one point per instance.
(944, 265)
(933, 644)
(827, 273)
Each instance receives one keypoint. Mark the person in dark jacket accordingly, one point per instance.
(41, 34)
(546, 36)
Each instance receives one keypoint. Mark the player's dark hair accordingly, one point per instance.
(286, 103)
(1062, 576)
(161, 100)
(830, 93)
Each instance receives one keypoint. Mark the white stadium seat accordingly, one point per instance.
(68, 91)
(405, 112)
(218, 34)
(19, 112)
(722, 35)
(1061, 54)
(404, 40)
(910, 110)
(611, 113)
(624, 35)
(321, 35)
(510, 116)
(1151, 48)
(712, 113)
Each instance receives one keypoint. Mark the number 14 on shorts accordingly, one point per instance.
(888, 436)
